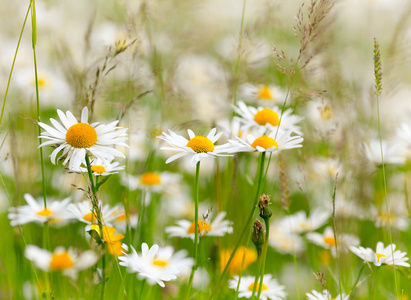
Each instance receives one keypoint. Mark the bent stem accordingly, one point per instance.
(247, 224)
(196, 241)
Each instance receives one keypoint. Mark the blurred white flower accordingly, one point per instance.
(325, 295)
(270, 289)
(382, 255)
(264, 94)
(300, 223)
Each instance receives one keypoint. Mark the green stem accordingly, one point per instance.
(267, 235)
(356, 281)
(385, 196)
(247, 224)
(12, 65)
(196, 241)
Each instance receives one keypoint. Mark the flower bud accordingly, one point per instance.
(258, 236)
(265, 211)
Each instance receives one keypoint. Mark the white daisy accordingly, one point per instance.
(285, 242)
(261, 93)
(271, 289)
(198, 147)
(265, 143)
(82, 211)
(327, 240)
(61, 260)
(156, 264)
(382, 255)
(397, 215)
(300, 223)
(392, 153)
(35, 211)
(186, 229)
(103, 168)
(75, 138)
(266, 118)
(325, 295)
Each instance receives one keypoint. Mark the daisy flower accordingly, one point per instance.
(266, 118)
(325, 295)
(198, 147)
(300, 223)
(285, 242)
(76, 138)
(327, 240)
(382, 255)
(265, 143)
(103, 168)
(36, 212)
(156, 264)
(270, 289)
(242, 258)
(68, 262)
(218, 227)
(82, 211)
(392, 153)
(261, 93)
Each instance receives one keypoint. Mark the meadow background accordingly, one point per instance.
(159, 65)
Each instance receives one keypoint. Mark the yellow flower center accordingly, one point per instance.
(326, 112)
(150, 178)
(379, 255)
(265, 116)
(42, 82)
(45, 212)
(121, 218)
(264, 93)
(330, 241)
(263, 288)
(88, 217)
(60, 262)
(201, 144)
(201, 226)
(388, 217)
(81, 135)
(98, 169)
(160, 263)
(264, 142)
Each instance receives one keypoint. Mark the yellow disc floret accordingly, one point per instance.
(45, 212)
(202, 226)
(201, 144)
(264, 142)
(379, 255)
(265, 116)
(81, 135)
(329, 241)
(150, 178)
(160, 263)
(60, 262)
(264, 93)
(263, 288)
(98, 169)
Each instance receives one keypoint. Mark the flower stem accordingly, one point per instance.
(356, 281)
(196, 241)
(265, 248)
(247, 224)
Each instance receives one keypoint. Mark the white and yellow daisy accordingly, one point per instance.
(397, 215)
(325, 295)
(265, 143)
(103, 168)
(156, 264)
(265, 118)
(76, 138)
(382, 255)
(300, 223)
(392, 152)
(270, 289)
(68, 262)
(327, 240)
(82, 211)
(198, 147)
(186, 229)
(55, 213)
(261, 93)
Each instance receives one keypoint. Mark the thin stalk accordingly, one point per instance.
(247, 223)
(237, 64)
(12, 65)
(196, 241)
(385, 196)
(335, 232)
(267, 235)
(257, 276)
(356, 281)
